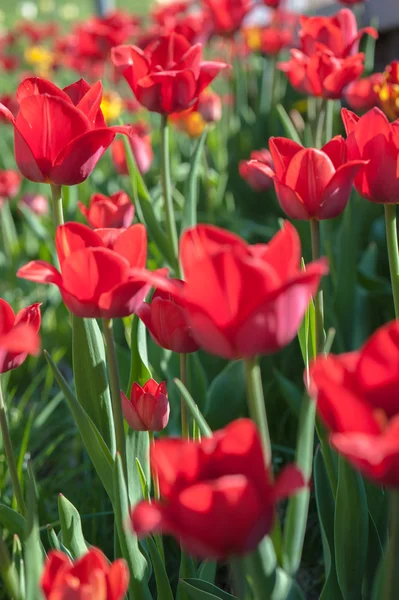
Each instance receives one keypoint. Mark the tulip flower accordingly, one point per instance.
(10, 183)
(204, 487)
(310, 183)
(140, 143)
(209, 106)
(233, 290)
(37, 203)
(321, 74)
(148, 407)
(363, 94)
(103, 211)
(357, 398)
(91, 576)
(18, 335)
(388, 92)
(338, 34)
(102, 272)
(373, 139)
(252, 170)
(166, 321)
(59, 135)
(227, 15)
(169, 75)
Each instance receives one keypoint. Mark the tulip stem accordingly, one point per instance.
(391, 572)
(56, 197)
(167, 191)
(256, 404)
(115, 393)
(318, 302)
(157, 497)
(183, 408)
(12, 467)
(392, 243)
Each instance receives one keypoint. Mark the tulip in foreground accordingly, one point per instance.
(357, 398)
(89, 577)
(147, 409)
(169, 75)
(116, 210)
(310, 183)
(217, 496)
(19, 335)
(102, 273)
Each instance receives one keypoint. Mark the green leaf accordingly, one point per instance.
(190, 207)
(198, 589)
(12, 520)
(139, 370)
(9, 573)
(287, 124)
(193, 408)
(207, 571)
(290, 392)
(138, 586)
(137, 448)
(53, 539)
(164, 591)
(197, 381)
(97, 449)
(143, 481)
(71, 527)
(227, 389)
(351, 531)
(261, 569)
(33, 548)
(90, 375)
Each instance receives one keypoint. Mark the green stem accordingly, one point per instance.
(319, 125)
(256, 404)
(56, 197)
(167, 190)
(319, 311)
(391, 572)
(157, 497)
(115, 393)
(183, 408)
(392, 243)
(12, 467)
(8, 572)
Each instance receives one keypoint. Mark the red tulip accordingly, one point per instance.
(273, 40)
(102, 272)
(258, 178)
(166, 320)
(209, 106)
(37, 203)
(338, 34)
(10, 183)
(204, 487)
(363, 94)
(113, 211)
(148, 407)
(372, 138)
(18, 335)
(227, 15)
(357, 398)
(59, 135)
(89, 577)
(140, 143)
(11, 103)
(310, 183)
(233, 290)
(169, 75)
(322, 73)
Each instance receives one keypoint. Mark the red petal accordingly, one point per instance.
(336, 194)
(208, 71)
(132, 245)
(30, 315)
(41, 272)
(7, 317)
(288, 482)
(90, 105)
(35, 86)
(72, 237)
(282, 151)
(290, 202)
(57, 562)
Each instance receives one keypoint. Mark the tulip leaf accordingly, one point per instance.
(227, 389)
(143, 481)
(164, 591)
(350, 530)
(53, 539)
(193, 408)
(137, 563)
(90, 375)
(9, 573)
(286, 588)
(207, 571)
(96, 448)
(71, 527)
(190, 207)
(137, 448)
(260, 567)
(139, 370)
(198, 589)
(288, 125)
(197, 379)
(12, 520)
(33, 547)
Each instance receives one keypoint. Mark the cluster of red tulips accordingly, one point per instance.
(198, 287)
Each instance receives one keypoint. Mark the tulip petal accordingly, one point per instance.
(132, 62)
(7, 317)
(71, 237)
(336, 195)
(118, 578)
(5, 112)
(350, 119)
(282, 151)
(90, 105)
(290, 202)
(56, 563)
(191, 59)
(167, 50)
(35, 86)
(283, 252)
(336, 150)
(167, 92)
(208, 71)
(177, 463)
(288, 482)
(26, 160)
(132, 245)
(41, 272)
(148, 518)
(30, 315)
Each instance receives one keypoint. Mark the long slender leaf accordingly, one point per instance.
(71, 527)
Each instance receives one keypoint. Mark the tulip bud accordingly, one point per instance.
(210, 106)
(37, 203)
(255, 177)
(148, 407)
(103, 211)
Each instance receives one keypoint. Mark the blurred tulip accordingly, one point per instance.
(310, 183)
(90, 576)
(169, 75)
(59, 135)
(140, 143)
(256, 177)
(190, 121)
(357, 398)
(11, 104)
(10, 183)
(388, 92)
(116, 210)
(373, 139)
(111, 106)
(209, 106)
(102, 272)
(227, 15)
(204, 487)
(18, 335)
(167, 323)
(148, 407)
(363, 94)
(37, 203)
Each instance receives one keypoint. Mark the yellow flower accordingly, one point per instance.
(111, 106)
(195, 124)
(40, 57)
(253, 38)
(389, 91)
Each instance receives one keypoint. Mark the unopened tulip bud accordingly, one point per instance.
(148, 406)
